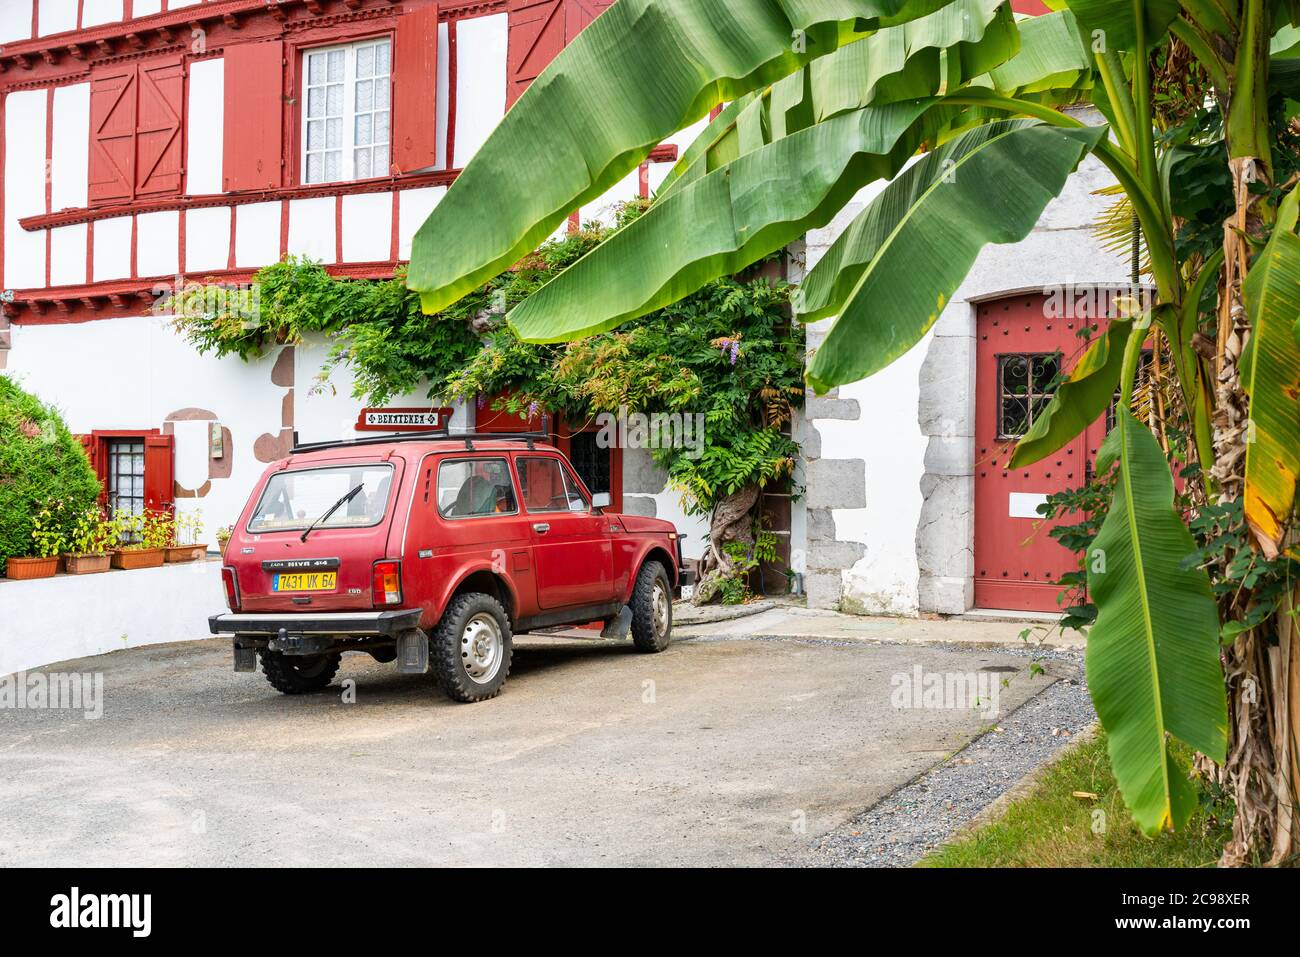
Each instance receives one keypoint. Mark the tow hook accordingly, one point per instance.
(288, 644)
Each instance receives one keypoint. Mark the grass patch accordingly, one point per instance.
(1050, 827)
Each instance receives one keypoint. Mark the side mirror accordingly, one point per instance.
(600, 500)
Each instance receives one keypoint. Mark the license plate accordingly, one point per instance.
(307, 581)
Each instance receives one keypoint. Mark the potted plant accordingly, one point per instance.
(91, 543)
(185, 546)
(223, 537)
(48, 540)
(144, 539)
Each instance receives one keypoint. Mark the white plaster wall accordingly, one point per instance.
(70, 148)
(413, 208)
(207, 238)
(480, 81)
(56, 361)
(311, 229)
(326, 409)
(55, 16)
(76, 616)
(24, 186)
(144, 8)
(15, 20)
(257, 234)
(442, 101)
(668, 506)
(95, 12)
(158, 243)
(367, 227)
(204, 118)
(112, 248)
(68, 255)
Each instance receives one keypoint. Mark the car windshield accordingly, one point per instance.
(294, 500)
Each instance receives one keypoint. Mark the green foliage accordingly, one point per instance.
(93, 533)
(41, 466)
(296, 297)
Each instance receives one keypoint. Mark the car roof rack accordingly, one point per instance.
(427, 435)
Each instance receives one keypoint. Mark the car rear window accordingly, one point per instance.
(298, 498)
(479, 486)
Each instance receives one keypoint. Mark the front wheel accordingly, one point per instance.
(471, 649)
(652, 609)
(299, 674)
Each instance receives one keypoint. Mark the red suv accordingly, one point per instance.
(434, 550)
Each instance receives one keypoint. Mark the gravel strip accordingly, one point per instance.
(919, 818)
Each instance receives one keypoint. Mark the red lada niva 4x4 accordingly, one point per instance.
(433, 551)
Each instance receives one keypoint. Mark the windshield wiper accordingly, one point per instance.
(331, 510)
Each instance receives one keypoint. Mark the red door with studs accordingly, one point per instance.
(1022, 342)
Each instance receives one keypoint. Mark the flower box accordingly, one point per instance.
(129, 558)
(23, 569)
(185, 553)
(87, 564)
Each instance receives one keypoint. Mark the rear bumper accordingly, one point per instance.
(366, 623)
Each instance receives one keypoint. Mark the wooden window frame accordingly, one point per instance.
(348, 147)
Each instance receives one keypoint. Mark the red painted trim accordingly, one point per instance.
(69, 217)
(90, 252)
(36, 18)
(180, 241)
(663, 153)
(230, 259)
(81, 11)
(134, 297)
(284, 228)
(49, 173)
(452, 73)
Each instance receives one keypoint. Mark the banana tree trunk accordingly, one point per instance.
(731, 522)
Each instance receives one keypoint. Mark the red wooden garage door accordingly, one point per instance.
(1021, 344)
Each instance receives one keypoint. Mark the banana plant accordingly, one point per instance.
(823, 97)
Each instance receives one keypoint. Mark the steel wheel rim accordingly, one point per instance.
(481, 648)
(661, 608)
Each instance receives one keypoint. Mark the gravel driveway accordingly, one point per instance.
(716, 752)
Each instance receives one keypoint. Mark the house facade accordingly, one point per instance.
(151, 143)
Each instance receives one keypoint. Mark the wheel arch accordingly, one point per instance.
(485, 579)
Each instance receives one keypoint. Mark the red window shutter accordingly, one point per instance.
(254, 116)
(112, 134)
(159, 156)
(580, 13)
(415, 90)
(536, 35)
(159, 481)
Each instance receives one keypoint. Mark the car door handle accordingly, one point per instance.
(541, 528)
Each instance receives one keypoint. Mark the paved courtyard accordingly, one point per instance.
(733, 747)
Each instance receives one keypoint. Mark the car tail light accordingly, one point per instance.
(231, 584)
(387, 583)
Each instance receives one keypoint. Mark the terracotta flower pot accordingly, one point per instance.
(129, 558)
(185, 553)
(23, 569)
(87, 564)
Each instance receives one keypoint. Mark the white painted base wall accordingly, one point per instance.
(74, 616)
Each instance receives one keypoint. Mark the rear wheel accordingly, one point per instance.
(299, 674)
(652, 609)
(471, 649)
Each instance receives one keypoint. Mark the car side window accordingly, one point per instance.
(547, 486)
(475, 487)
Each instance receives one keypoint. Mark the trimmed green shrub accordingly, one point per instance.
(40, 462)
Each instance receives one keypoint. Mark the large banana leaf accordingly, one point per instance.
(891, 272)
(1052, 56)
(898, 63)
(1270, 373)
(1153, 654)
(1114, 22)
(642, 70)
(719, 224)
(1078, 401)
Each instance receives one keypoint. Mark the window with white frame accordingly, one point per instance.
(346, 111)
